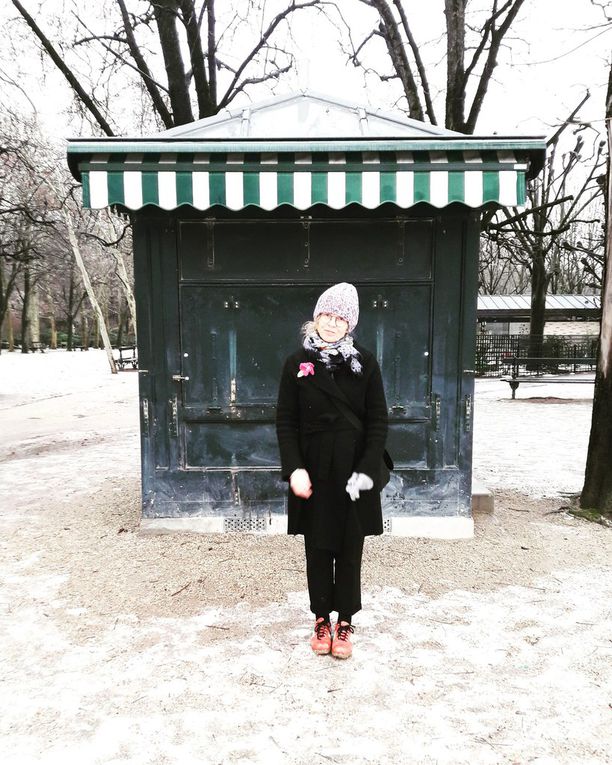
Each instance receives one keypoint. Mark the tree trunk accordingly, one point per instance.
(120, 325)
(126, 329)
(34, 314)
(76, 251)
(70, 313)
(98, 339)
(10, 335)
(124, 280)
(4, 298)
(25, 313)
(597, 489)
(539, 282)
(52, 332)
(207, 101)
(165, 12)
(454, 11)
(52, 325)
(84, 332)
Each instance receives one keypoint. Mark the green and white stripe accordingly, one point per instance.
(301, 180)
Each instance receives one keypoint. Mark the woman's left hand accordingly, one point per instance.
(358, 482)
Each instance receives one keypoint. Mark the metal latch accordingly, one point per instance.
(180, 378)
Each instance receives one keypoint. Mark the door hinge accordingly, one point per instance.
(173, 417)
(467, 413)
(144, 404)
(436, 409)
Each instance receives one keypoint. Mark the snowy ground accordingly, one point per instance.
(118, 647)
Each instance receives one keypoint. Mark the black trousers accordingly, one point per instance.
(334, 578)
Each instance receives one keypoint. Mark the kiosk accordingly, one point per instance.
(239, 222)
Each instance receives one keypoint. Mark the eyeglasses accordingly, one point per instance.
(330, 318)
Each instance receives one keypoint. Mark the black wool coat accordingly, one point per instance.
(313, 434)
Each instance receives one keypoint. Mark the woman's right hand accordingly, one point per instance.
(300, 484)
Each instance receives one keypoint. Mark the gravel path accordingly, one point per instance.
(123, 647)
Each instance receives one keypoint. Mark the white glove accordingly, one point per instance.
(358, 482)
(300, 484)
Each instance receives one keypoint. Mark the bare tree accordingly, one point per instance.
(473, 44)
(597, 489)
(40, 222)
(498, 271)
(579, 258)
(199, 76)
(25, 219)
(558, 200)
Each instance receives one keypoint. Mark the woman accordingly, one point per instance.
(330, 464)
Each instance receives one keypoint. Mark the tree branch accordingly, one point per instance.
(294, 6)
(61, 65)
(142, 68)
(273, 75)
(390, 32)
(526, 213)
(212, 49)
(419, 62)
(496, 39)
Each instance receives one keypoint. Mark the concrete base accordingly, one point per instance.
(423, 526)
(432, 527)
(429, 527)
(276, 524)
(482, 499)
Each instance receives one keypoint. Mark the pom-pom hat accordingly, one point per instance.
(342, 300)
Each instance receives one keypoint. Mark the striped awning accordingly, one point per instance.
(336, 179)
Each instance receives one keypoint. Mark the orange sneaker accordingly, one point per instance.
(321, 641)
(342, 648)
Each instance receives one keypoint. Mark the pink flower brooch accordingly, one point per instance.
(307, 368)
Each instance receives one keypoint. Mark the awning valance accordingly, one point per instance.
(336, 179)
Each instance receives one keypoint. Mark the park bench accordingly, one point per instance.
(127, 356)
(528, 369)
(42, 347)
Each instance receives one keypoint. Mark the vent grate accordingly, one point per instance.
(244, 524)
(387, 525)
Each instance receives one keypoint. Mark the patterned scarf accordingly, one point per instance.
(334, 355)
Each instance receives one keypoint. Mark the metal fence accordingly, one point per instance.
(494, 351)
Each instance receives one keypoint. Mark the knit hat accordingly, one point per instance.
(341, 300)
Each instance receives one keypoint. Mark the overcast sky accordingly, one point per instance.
(549, 63)
(551, 60)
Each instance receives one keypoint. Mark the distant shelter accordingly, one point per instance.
(564, 314)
